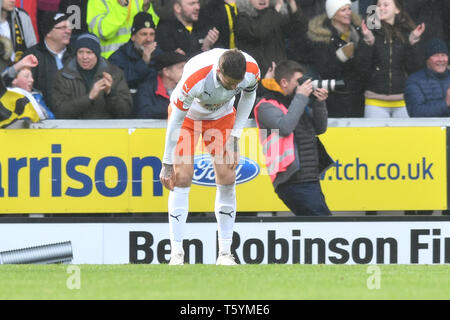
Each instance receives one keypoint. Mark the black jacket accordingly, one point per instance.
(385, 66)
(326, 41)
(312, 8)
(214, 14)
(67, 7)
(45, 72)
(262, 33)
(171, 35)
(431, 12)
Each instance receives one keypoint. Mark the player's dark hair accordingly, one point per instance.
(233, 64)
(285, 70)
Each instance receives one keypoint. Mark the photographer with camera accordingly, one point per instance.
(289, 117)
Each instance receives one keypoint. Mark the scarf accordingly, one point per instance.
(88, 76)
(19, 41)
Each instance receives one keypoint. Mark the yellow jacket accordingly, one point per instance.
(112, 23)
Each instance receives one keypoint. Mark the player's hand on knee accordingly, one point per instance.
(232, 152)
(235, 160)
(167, 176)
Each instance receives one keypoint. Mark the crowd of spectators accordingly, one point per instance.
(121, 58)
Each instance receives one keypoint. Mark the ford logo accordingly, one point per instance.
(204, 175)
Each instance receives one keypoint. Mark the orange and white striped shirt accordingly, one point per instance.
(201, 93)
(200, 96)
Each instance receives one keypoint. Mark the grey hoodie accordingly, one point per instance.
(25, 26)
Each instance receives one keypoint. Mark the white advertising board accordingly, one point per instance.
(334, 242)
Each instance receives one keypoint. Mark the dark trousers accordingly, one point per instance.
(304, 199)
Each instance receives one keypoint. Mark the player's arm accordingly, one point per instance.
(167, 175)
(244, 108)
(176, 119)
(247, 99)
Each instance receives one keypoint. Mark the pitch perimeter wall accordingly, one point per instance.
(112, 166)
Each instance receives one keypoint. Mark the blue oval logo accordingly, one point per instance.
(204, 175)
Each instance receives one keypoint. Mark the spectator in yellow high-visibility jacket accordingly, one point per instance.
(111, 21)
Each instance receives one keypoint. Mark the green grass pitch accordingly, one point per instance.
(210, 282)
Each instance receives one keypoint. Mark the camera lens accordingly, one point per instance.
(302, 80)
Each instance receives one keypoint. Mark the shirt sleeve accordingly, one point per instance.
(183, 99)
(246, 101)
(244, 107)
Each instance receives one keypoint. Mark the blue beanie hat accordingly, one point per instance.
(433, 46)
(90, 41)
